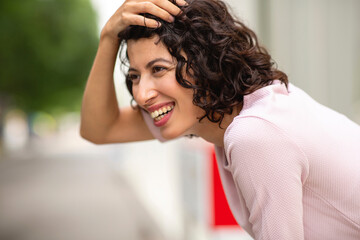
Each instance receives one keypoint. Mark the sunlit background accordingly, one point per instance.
(55, 185)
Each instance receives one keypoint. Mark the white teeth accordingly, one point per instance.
(157, 114)
(159, 118)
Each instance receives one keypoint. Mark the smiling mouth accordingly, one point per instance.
(161, 112)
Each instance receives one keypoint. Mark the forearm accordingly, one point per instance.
(99, 107)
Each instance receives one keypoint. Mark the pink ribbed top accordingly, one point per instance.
(290, 167)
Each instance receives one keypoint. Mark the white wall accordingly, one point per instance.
(316, 42)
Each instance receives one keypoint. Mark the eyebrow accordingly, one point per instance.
(152, 62)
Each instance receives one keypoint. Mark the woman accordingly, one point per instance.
(289, 166)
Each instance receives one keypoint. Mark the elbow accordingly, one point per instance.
(90, 137)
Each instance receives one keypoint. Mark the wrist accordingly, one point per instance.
(106, 38)
(107, 35)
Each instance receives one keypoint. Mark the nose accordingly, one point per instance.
(145, 92)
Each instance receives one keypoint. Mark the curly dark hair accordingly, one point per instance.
(223, 56)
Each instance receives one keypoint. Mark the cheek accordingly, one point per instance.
(188, 95)
(134, 91)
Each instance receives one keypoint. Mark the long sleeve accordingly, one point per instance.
(269, 170)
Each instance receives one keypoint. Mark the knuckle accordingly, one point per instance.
(148, 6)
(124, 17)
(139, 21)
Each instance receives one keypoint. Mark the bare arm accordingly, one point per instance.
(101, 119)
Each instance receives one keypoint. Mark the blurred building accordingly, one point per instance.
(317, 44)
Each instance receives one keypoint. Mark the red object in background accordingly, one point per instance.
(222, 215)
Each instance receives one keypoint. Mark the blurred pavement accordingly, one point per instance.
(56, 190)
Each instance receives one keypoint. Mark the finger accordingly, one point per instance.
(151, 8)
(167, 6)
(181, 3)
(143, 21)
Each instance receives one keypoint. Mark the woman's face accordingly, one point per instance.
(152, 71)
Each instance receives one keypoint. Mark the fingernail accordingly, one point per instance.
(183, 3)
(171, 19)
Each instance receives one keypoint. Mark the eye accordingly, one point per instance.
(157, 69)
(134, 78)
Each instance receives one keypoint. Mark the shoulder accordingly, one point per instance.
(253, 130)
(269, 121)
(260, 144)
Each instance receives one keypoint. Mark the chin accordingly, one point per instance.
(169, 134)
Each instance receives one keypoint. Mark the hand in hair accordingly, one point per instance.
(131, 12)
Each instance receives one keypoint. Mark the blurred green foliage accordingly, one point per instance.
(47, 48)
